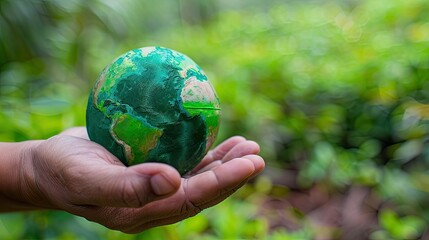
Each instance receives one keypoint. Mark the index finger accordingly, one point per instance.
(219, 152)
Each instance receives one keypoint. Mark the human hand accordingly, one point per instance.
(71, 173)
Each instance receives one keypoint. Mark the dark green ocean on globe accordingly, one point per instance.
(154, 104)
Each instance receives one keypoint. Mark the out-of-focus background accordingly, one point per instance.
(335, 92)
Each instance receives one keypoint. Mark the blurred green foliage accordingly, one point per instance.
(335, 90)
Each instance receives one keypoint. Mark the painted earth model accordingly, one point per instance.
(154, 104)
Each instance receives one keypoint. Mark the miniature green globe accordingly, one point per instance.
(154, 104)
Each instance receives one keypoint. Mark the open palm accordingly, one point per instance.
(71, 173)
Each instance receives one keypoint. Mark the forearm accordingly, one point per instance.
(15, 169)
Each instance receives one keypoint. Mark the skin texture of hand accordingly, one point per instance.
(68, 172)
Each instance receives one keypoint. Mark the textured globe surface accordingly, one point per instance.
(154, 104)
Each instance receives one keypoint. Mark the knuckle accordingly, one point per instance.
(132, 195)
(129, 195)
(191, 209)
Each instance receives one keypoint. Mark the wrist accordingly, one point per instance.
(17, 182)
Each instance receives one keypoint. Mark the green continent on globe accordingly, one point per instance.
(154, 104)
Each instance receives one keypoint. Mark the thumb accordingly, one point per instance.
(118, 186)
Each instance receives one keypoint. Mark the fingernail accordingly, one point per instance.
(160, 185)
